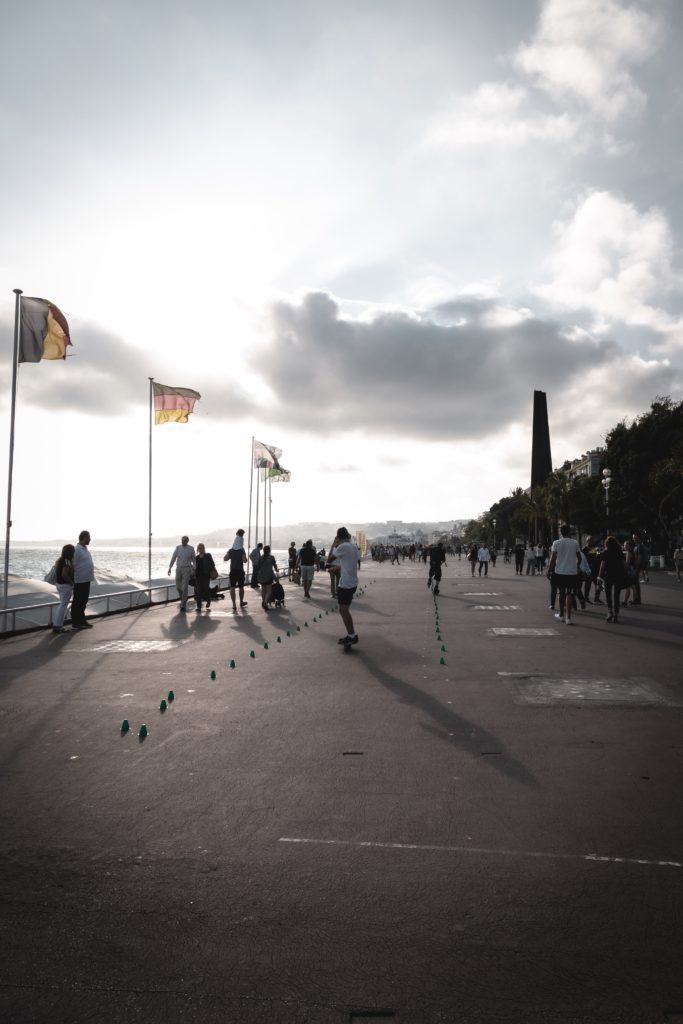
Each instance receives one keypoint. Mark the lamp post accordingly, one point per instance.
(606, 481)
(494, 534)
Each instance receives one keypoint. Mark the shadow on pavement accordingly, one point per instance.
(451, 727)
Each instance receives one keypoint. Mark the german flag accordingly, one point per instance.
(44, 332)
(173, 405)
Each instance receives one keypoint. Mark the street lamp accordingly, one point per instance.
(494, 534)
(606, 481)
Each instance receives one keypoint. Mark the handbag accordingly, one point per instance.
(213, 575)
(51, 576)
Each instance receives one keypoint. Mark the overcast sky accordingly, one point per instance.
(365, 232)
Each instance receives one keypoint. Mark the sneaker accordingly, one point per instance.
(350, 640)
(557, 615)
(610, 618)
(243, 604)
(567, 621)
(342, 640)
(78, 627)
(551, 607)
(86, 625)
(58, 629)
(182, 608)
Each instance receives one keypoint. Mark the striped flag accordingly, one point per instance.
(43, 331)
(173, 405)
(266, 456)
(276, 475)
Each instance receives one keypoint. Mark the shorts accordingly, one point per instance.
(345, 595)
(236, 578)
(307, 572)
(566, 583)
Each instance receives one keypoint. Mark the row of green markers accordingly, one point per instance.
(439, 638)
(144, 731)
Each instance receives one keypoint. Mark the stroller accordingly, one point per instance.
(277, 595)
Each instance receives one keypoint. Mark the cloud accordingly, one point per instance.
(582, 52)
(572, 83)
(459, 372)
(617, 263)
(497, 113)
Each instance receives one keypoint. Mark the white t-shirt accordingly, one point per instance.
(566, 549)
(84, 571)
(347, 556)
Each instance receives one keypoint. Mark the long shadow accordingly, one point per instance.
(451, 727)
(44, 651)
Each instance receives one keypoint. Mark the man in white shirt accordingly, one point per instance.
(565, 559)
(184, 560)
(84, 575)
(345, 554)
(484, 557)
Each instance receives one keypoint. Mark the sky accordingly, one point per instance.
(364, 232)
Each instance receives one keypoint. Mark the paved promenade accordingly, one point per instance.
(320, 837)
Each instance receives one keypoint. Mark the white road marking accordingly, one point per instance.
(130, 646)
(496, 607)
(590, 857)
(522, 631)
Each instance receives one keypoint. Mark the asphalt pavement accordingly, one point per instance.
(474, 816)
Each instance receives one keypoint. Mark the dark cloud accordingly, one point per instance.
(449, 374)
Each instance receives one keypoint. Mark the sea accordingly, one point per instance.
(112, 564)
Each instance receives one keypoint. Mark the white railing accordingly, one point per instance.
(24, 618)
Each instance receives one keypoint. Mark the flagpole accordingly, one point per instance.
(251, 487)
(149, 525)
(15, 362)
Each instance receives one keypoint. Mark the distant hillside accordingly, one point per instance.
(320, 533)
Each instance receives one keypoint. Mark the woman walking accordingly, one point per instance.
(204, 571)
(473, 557)
(64, 584)
(611, 570)
(267, 572)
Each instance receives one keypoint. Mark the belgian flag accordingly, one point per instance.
(44, 332)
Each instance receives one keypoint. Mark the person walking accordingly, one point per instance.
(437, 558)
(565, 558)
(641, 559)
(345, 554)
(184, 560)
(237, 557)
(678, 562)
(530, 555)
(65, 586)
(292, 557)
(473, 557)
(307, 559)
(267, 574)
(204, 572)
(255, 556)
(84, 575)
(519, 559)
(484, 557)
(611, 568)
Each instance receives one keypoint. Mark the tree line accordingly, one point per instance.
(646, 493)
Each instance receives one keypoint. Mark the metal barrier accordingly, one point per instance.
(26, 618)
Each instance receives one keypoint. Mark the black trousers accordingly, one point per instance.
(78, 603)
